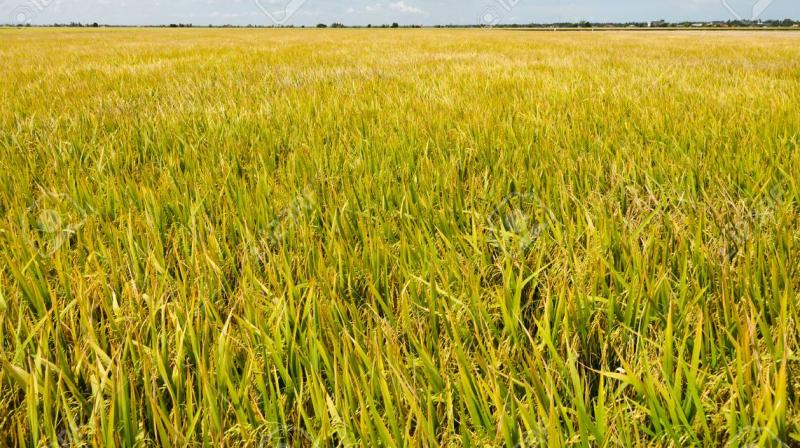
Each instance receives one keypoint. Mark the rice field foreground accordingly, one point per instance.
(458, 238)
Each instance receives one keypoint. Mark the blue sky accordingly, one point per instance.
(362, 12)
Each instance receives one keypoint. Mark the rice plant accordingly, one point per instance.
(401, 238)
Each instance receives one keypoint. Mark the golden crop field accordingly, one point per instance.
(460, 238)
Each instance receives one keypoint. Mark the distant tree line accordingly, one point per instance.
(339, 25)
(785, 23)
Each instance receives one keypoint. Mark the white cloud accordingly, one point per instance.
(403, 7)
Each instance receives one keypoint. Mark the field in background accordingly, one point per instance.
(399, 238)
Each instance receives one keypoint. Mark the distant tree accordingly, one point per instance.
(395, 25)
(369, 25)
(321, 25)
(337, 25)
